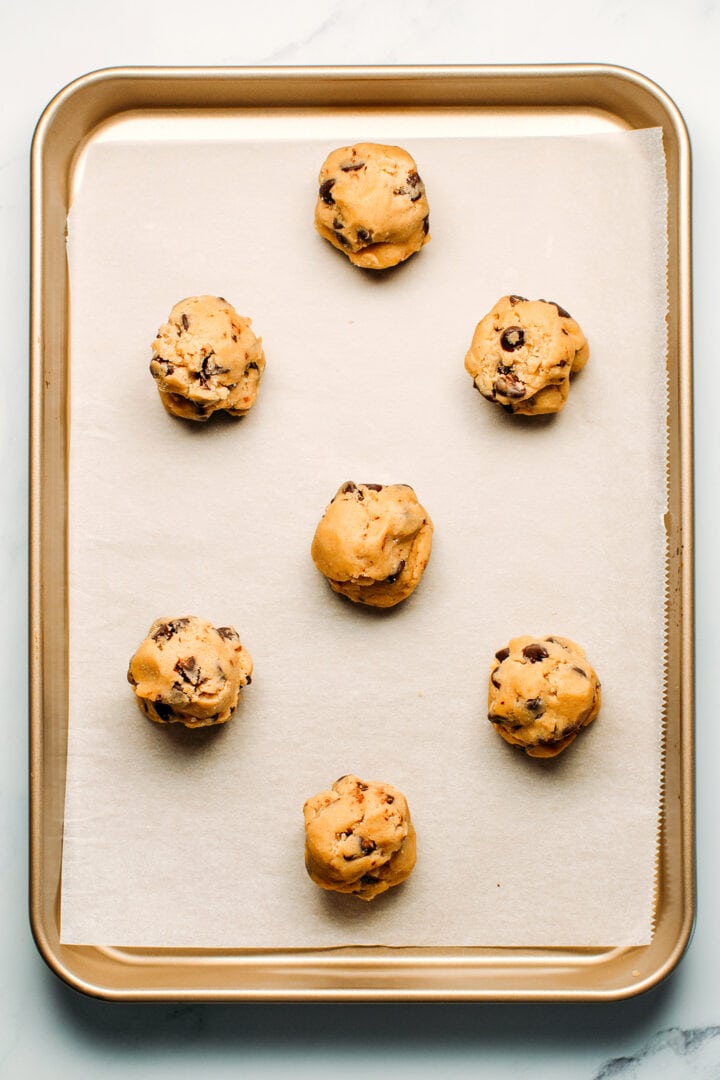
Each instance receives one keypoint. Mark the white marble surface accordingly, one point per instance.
(47, 1030)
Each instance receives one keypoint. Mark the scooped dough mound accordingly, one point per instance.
(206, 359)
(542, 692)
(189, 672)
(358, 838)
(373, 543)
(523, 353)
(372, 205)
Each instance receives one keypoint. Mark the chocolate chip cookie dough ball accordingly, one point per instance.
(189, 672)
(358, 838)
(542, 692)
(206, 359)
(373, 543)
(523, 354)
(372, 205)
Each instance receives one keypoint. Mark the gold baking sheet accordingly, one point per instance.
(540, 101)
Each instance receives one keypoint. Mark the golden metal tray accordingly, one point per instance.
(541, 100)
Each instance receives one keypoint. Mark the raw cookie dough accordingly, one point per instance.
(373, 543)
(358, 838)
(189, 672)
(523, 353)
(206, 359)
(372, 205)
(542, 691)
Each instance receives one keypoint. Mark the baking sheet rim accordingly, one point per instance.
(680, 430)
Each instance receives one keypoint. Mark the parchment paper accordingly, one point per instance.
(176, 838)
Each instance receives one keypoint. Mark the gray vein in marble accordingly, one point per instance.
(674, 1053)
(341, 37)
(336, 17)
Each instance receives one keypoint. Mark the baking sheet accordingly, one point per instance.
(546, 527)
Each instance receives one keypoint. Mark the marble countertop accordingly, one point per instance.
(48, 1030)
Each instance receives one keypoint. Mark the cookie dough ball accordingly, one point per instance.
(358, 838)
(373, 543)
(523, 353)
(542, 692)
(372, 205)
(189, 672)
(206, 359)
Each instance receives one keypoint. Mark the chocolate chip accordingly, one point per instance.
(346, 489)
(514, 299)
(131, 679)
(373, 487)
(392, 578)
(169, 365)
(534, 653)
(512, 338)
(185, 321)
(363, 235)
(208, 369)
(389, 799)
(325, 189)
(366, 846)
(341, 239)
(426, 225)
(535, 705)
(189, 671)
(368, 879)
(361, 786)
(352, 168)
(509, 386)
(502, 654)
(337, 223)
(227, 632)
(252, 366)
(164, 711)
(169, 629)
(494, 681)
(415, 183)
(580, 672)
(560, 310)
(504, 369)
